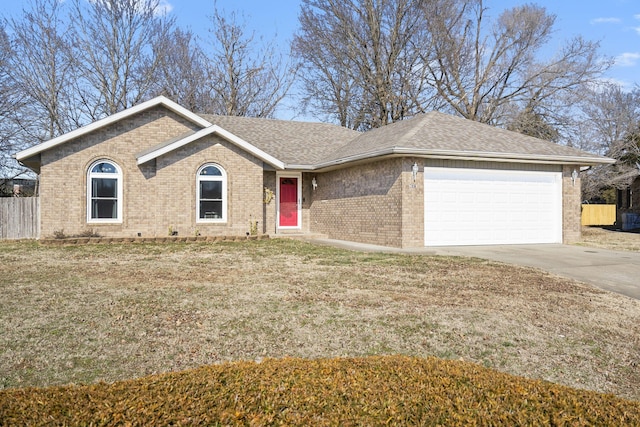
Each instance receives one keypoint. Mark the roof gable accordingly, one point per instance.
(158, 101)
(172, 145)
(280, 143)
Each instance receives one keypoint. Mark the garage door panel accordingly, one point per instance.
(484, 206)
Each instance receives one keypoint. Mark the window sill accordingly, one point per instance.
(104, 221)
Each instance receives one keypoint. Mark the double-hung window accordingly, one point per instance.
(212, 194)
(104, 192)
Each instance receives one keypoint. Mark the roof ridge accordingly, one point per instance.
(384, 128)
(273, 120)
(421, 122)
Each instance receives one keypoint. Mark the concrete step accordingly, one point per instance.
(298, 235)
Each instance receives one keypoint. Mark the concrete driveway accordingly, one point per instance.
(614, 271)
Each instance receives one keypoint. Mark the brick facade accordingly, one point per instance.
(158, 195)
(269, 202)
(377, 202)
(380, 203)
(571, 205)
(412, 203)
(362, 203)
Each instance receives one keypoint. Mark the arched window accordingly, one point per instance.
(212, 194)
(104, 192)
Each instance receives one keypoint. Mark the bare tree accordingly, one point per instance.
(360, 65)
(41, 71)
(36, 76)
(479, 72)
(247, 78)
(332, 90)
(611, 114)
(530, 123)
(610, 125)
(9, 104)
(114, 44)
(182, 71)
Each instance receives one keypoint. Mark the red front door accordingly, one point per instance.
(288, 202)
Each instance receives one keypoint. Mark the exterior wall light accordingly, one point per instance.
(314, 183)
(574, 176)
(414, 171)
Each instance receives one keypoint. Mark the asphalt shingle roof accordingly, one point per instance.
(439, 132)
(294, 143)
(305, 145)
(323, 144)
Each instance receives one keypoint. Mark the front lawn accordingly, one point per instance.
(608, 238)
(89, 313)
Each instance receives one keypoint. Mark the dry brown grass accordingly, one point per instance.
(368, 391)
(601, 237)
(82, 314)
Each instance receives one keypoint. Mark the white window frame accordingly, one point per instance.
(119, 192)
(222, 178)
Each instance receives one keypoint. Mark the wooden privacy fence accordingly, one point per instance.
(19, 217)
(598, 214)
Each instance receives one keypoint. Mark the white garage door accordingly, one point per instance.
(490, 206)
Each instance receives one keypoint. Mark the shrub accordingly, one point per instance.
(395, 390)
(89, 232)
(59, 234)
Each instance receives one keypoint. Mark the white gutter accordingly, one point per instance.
(467, 155)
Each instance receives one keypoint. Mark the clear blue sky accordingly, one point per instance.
(615, 23)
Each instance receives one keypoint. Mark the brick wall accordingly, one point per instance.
(380, 203)
(157, 195)
(307, 200)
(177, 193)
(413, 204)
(635, 194)
(376, 202)
(269, 209)
(628, 201)
(362, 203)
(571, 206)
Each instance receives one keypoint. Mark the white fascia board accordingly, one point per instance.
(297, 167)
(173, 146)
(249, 148)
(181, 111)
(470, 155)
(214, 129)
(160, 100)
(510, 157)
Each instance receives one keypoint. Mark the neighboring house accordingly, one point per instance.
(628, 203)
(17, 187)
(431, 180)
